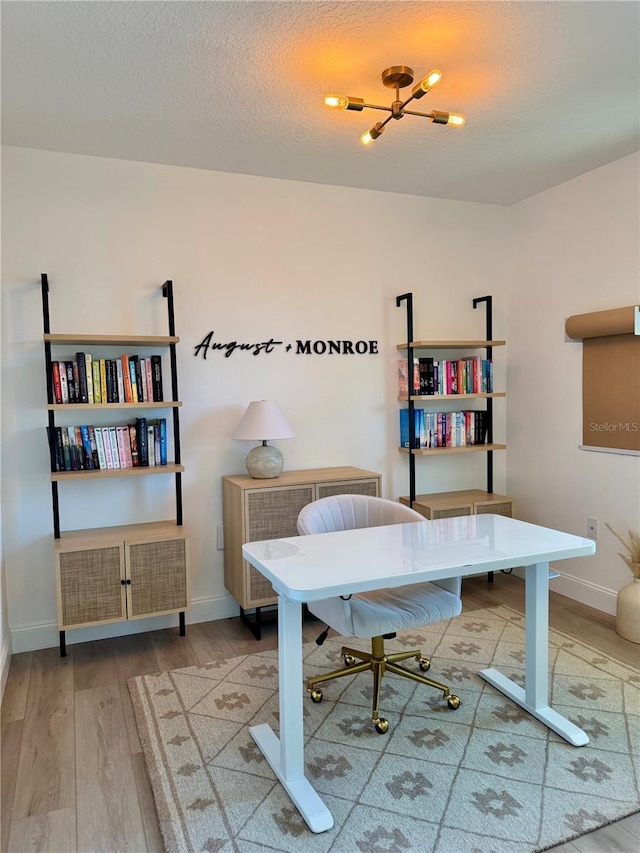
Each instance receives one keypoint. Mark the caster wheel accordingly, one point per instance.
(424, 664)
(349, 660)
(382, 726)
(316, 696)
(453, 702)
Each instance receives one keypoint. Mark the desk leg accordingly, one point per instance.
(535, 697)
(286, 755)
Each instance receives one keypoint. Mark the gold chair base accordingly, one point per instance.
(379, 663)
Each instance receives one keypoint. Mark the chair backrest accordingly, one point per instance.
(347, 512)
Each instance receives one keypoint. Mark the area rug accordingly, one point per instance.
(486, 778)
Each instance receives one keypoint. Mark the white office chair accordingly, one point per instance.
(380, 613)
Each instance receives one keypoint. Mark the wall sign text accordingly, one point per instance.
(299, 347)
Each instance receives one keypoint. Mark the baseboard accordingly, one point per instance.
(5, 663)
(578, 589)
(29, 638)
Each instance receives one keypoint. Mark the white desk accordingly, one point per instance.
(311, 568)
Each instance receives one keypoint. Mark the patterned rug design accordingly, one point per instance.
(486, 778)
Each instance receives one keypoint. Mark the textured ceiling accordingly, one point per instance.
(550, 89)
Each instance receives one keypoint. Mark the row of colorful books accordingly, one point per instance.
(444, 429)
(446, 376)
(129, 379)
(91, 448)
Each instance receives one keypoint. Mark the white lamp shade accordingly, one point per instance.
(263, 421)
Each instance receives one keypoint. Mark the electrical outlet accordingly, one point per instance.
(219, 537)
(592, 528)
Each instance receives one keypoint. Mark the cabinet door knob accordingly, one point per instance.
(123, 581)
(126, 582)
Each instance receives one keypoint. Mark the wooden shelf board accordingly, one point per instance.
(112, 340)
(452, 344)
(143, 471)
(71, 540)
(433, 398)
(468, 448)
(164, 404)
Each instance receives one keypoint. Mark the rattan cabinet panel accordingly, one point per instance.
(268, 509)
(90, 586)
(158, 574)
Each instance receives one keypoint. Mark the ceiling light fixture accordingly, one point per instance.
(397, 77)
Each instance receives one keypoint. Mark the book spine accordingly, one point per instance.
(102, 459)
(86, 447)
(66, 449)
(72, 388)
(120, 381)
(89, 374)
(126, 444)
(163, 441)
(64, 386)
(106, 441)
(97, 390)
(133, 441)
(141, 434)
(151, 445)
(126, 379)
(156, 368)
(108, 379)
(114, 380)
(103, 380)
(120, 438)
(73, 449)
(60, 459)
(149, 375)
(55, 379)
(113, 439)
(133, 377)
(139, 382)
(81, 366)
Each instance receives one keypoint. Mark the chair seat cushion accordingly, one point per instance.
(371, 614)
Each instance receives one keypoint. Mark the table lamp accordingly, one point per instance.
(263, 421)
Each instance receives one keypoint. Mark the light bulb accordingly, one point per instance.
(454, 119)
(368, 137)
(426, 84)
(337, 102)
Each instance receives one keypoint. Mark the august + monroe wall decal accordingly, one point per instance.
(299, 347)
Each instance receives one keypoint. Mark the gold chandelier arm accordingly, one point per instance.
(414, 113)
(377, 107)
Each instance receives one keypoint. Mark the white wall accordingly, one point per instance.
(575, 250)
(251, 258)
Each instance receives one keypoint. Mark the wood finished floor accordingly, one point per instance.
(73, 776)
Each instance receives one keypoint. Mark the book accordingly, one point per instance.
(74, 450)
(108, 380)
(149, 380)
(114, 380)
(404, 379)
(106, 441)
(156, 370)
(133, 441)
(102, 459)
(81, 367)
(103, 380)
(113, 439)
(122, 436)
(120, 381)
(89, 371)
(55, 455)
(134, 380)
(72, 381)
(419, 427)
(151, 444)
(66, 449)
(94, 447)
(163, 440)
(97, 390)
(87, 449)
(55, 381)
(126, 379)
(141, 436)
(139, 382)
(64, 386)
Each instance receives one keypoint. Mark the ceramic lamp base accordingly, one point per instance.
(628, 611)
(264, 462)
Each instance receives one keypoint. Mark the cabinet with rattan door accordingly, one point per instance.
(114, 573)
(268, 509)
